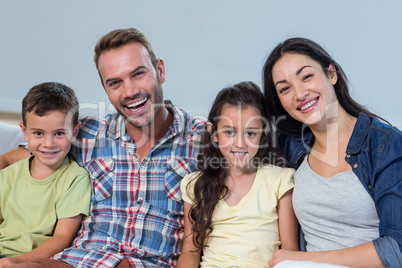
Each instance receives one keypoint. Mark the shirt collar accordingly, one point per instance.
(117, 127)
(359, 133)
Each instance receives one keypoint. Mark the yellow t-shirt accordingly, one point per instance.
(30, 208)
(245, 235)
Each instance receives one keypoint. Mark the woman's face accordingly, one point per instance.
(305, 91)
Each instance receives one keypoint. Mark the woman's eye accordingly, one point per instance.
(307, 76)
(283, 90)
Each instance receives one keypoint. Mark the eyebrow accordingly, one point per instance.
(131, 73)
(297, 73)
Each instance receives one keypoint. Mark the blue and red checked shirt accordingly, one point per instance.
(136, 208)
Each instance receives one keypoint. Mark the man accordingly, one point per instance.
(136, 159)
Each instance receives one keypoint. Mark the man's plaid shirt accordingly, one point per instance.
(136, 208)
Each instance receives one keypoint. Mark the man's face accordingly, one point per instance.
(133, 85)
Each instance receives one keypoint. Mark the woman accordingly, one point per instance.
(348, 186)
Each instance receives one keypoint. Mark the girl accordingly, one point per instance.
(237, 209)
(347, 194)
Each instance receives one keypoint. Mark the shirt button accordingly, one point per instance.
(355, 165)
(348, 155)
(369, 186)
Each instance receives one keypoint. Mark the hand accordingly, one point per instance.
(6, 262)
(284, 255)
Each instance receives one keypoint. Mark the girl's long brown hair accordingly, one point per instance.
(210, 187)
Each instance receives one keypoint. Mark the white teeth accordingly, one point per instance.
(304, 107)
(137, 103)
(240, 154)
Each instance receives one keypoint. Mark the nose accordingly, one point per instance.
(130, 89)
(301, 93)
(239, 141)
(48, 141)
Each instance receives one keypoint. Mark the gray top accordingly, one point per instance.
(334, 212)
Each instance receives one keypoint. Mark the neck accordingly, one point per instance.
(146, 137)
(333, 132)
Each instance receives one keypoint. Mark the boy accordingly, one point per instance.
(44, 197)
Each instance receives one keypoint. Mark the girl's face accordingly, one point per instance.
(304, 89)
(239, 131)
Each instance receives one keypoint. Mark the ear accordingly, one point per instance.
(24, 131)
(209, 127)
(76, 129)
(160, 68)
(333, 75)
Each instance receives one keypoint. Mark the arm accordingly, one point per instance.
(65, 231)
(287, 223)
(190, 254)
(363, 255)
(13, 156)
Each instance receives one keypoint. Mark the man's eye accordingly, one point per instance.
(139, 73)
(113, 84)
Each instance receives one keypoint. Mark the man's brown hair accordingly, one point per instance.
(120, 37)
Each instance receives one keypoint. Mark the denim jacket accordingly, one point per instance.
(374, 152)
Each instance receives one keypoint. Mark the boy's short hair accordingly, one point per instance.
(50, 96)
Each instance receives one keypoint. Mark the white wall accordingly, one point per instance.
(206, 45)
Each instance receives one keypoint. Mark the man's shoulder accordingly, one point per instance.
(92, 125)
(187, 123)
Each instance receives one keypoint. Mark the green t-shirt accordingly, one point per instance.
(30, 208)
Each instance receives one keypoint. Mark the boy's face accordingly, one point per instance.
(49, 139)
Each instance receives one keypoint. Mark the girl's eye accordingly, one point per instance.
(38, 133)
(230, 132)
(250, 133)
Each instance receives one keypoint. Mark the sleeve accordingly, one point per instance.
(388, 251)
(77, 197)
(286, 181)
(387, 186)
(187, 187)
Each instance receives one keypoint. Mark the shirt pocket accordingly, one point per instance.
(101, 173)
(176, 169)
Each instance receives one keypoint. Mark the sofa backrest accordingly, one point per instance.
(10, 137)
